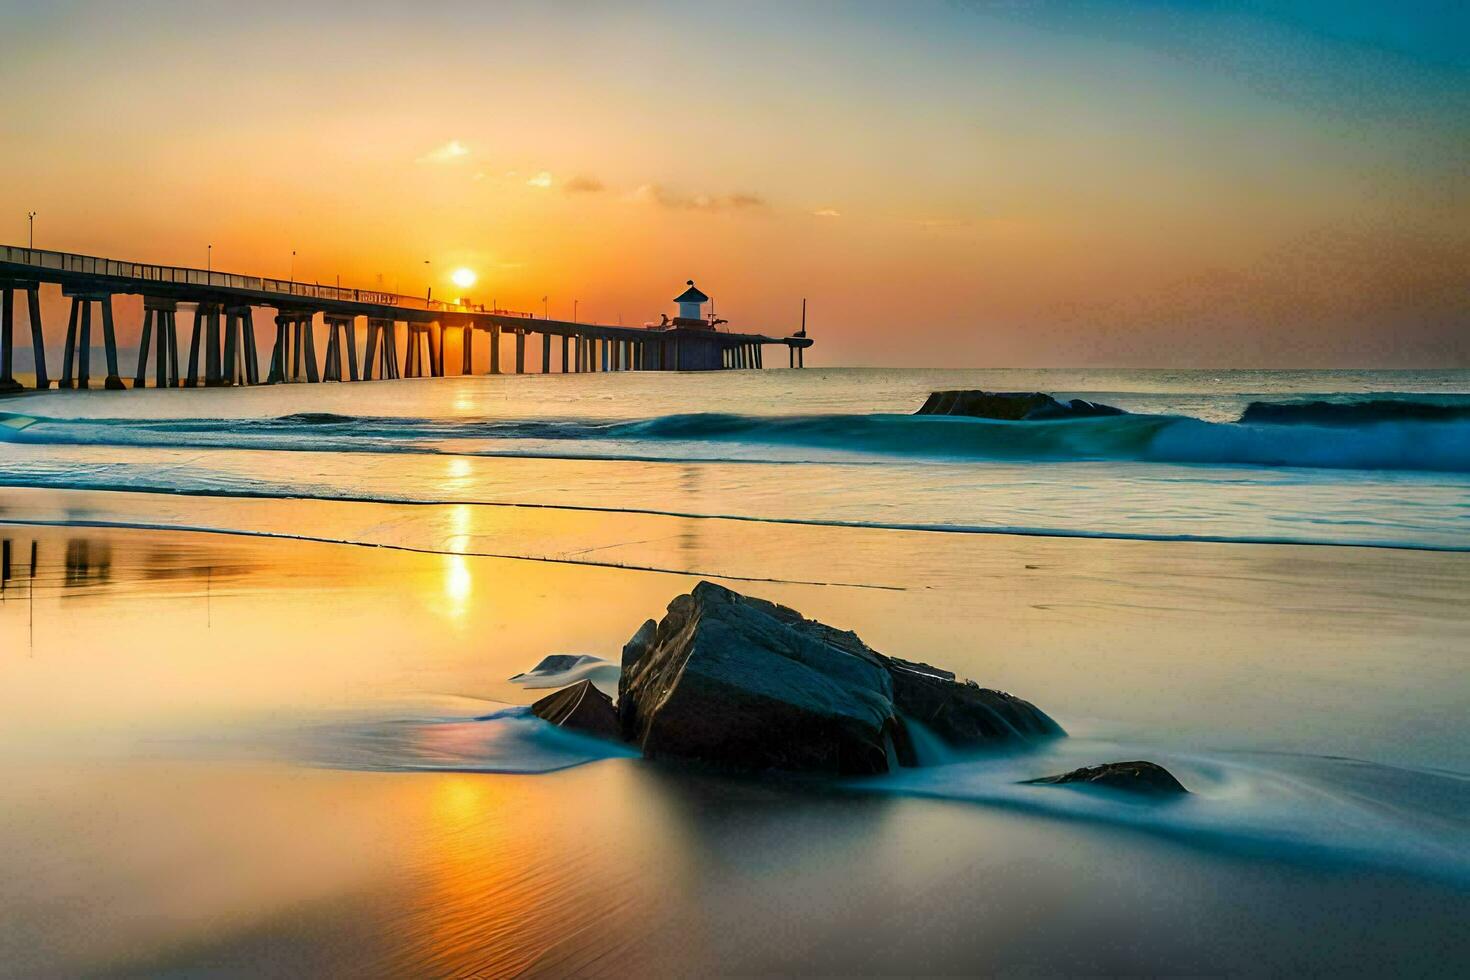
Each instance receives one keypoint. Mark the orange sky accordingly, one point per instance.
(950, 184)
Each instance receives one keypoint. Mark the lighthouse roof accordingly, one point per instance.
(691, 295)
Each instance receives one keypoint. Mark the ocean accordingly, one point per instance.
(254, 684)
(776, 446)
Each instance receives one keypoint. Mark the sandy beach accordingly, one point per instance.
(294, 717)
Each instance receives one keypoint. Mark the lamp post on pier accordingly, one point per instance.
(31, 217)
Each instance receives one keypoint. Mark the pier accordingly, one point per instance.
(221, 350)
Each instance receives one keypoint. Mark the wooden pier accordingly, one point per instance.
(222, 330)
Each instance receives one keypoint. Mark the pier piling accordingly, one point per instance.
(38, 336)
(160, 332)
(7, 345)
(390, 349)
(350, 329)
(68, 353)
(109, 341)
(341, 345)
(370, 353)
(277, 372)
(214, 375)
(84, 355)
(191, 377)
(145, 336)
(8, 288)
(308, 336)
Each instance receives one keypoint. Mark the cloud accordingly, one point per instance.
(583, 185)
(663, 197)
(741, 201)
(543, 180)
(447, 153)
(934, 224)
(827, 213)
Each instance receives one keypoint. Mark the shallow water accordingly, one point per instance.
(775, 445)
(252, 727)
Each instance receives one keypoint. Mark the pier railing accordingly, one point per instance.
(90, 265)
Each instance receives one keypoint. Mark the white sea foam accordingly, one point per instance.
(560, 670)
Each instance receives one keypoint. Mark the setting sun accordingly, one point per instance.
(463, 278)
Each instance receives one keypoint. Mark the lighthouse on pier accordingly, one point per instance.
(691, 307)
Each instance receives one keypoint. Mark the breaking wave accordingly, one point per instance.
(1378, 434)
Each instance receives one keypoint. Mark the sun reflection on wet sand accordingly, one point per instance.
(459, 582)
(502, 869)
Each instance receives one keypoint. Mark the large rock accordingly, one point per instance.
(749, 684)
(580, 708)
(963, 713)
(1011, 406)
(1142, 778)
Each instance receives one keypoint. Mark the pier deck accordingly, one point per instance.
(222, 343)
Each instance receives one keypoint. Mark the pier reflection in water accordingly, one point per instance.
(87, 561)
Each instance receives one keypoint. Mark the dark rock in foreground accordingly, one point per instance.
(962, 713)
(749, 684)
(580, 708)
(1011, 406)
(1144, 778)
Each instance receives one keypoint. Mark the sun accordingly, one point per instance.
(463, 278)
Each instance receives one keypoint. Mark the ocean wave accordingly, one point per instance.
(1401, 444)
(1359, 411)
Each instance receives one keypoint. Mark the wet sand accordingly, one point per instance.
(157, 817)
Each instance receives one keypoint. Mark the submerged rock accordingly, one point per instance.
(580, 708)
(1144, 778)
(1011, 406)
(745, 683)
